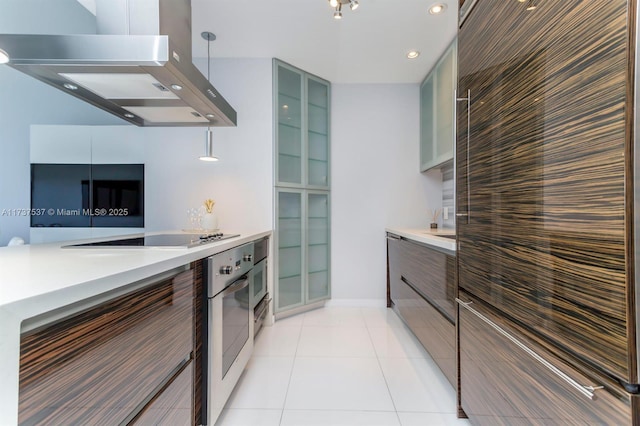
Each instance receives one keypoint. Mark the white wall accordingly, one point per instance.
(241, 182)
(375, 182)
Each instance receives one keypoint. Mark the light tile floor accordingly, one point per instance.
(340, 367)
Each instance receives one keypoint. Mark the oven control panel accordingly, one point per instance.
(228, 266)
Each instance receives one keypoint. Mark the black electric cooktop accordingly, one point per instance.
(160, 240)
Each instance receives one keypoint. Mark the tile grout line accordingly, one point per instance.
(386, 383)
(295, 357)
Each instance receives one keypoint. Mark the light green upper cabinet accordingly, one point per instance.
(437, 112)
(289, 130)
(302, 132)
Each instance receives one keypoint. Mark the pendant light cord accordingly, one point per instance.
(209, 66)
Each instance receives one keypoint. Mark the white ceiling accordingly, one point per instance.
(368, 45)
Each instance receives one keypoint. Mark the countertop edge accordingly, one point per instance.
(427, 237)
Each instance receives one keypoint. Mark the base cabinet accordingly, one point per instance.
(421, 289)
(502, 383)
(174, 406)
(108, 363)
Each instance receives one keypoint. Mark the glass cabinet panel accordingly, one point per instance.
(318, 133)
(436, 112)
(445, 76)
(318, 246)
(290, 226)
(302, 182)
(289, 113)
(426, 122)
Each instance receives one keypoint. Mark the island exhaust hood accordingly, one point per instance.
(138, 67)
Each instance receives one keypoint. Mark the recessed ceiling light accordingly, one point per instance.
(70, 86)
(4, 57)
(129, 115)
(176, 87)
(333, 3)
(209, 115)
(412, 54)
(437, 8)
(531, 7)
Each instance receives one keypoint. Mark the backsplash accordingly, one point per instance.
(448, 195)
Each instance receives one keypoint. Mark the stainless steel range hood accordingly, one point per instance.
(137, 67)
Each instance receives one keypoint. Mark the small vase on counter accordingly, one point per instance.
(434, 219)
(209, 220)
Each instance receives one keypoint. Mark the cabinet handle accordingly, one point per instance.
(393, 238)
(587, 391)
(468, 171)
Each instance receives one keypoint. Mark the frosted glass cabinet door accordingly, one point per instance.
(289, 290)
(445, 76)
(426, 123)
(289, 131)
(318, 132)
(436, 112)
(318, 246)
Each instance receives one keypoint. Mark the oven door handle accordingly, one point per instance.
(236, 286)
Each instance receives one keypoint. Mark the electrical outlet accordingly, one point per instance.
(445, 213)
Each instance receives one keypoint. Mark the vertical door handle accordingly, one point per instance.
(468, 171)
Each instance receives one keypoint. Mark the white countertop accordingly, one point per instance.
(427, 236)
(35, 279)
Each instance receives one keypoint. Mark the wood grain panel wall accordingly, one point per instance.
(101, 365)
(545, 183)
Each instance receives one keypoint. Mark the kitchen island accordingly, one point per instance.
(39, 281)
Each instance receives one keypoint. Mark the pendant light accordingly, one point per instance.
(208, 142)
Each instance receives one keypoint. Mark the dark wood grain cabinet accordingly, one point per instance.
(422, 292)
(507, 377)
(129, 357)
(544, 184)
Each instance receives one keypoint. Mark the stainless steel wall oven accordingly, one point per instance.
(229, 330)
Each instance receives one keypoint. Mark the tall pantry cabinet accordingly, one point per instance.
(546, 304)
(302, 187)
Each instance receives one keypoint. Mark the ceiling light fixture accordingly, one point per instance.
(532, 5)
(337, 5)
(176, 87)
(412, 54)
(338, 13)
(437, 8)
(4, 57)
(208, 142)
(70, 86)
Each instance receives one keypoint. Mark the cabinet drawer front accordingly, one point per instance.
(506, 378)
(173, 407)
(102, 365)
(436, 333)
(432, 273)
